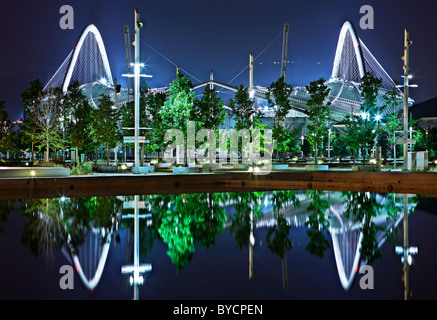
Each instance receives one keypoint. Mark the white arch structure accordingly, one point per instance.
(94, 256)
(64, 74)
(346, 30)
(352, 64)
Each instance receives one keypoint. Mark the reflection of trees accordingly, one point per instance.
(318, 223)
(363, 209)
(246, 206)
(184, 220)
(280, 242)
(51, 223)
(44, 227)
(6, 207)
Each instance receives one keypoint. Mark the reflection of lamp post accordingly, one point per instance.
(137, 269)
(406, 252)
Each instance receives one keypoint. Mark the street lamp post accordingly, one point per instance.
(136, 75)
(406, 76)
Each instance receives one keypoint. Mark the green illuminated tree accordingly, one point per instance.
(178, 108)
(278, 94)
(369, 88)
(319, 114)
(208, 112)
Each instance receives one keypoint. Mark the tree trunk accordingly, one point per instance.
(77, 155)
(32, 158)
(186, 154)
(48, 149)
(277, 152)
(315, 154)
(107, 154)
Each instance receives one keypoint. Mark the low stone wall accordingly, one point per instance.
(33, 172)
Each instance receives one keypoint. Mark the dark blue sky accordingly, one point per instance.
(203, 35)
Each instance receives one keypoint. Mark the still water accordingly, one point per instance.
(259, 245)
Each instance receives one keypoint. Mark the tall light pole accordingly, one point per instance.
(138, 26)
(406, 76)
(136, 139)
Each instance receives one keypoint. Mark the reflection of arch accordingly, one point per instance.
(88, 65)
(93, 255)
(347, 247)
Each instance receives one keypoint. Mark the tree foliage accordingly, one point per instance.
(319, 114)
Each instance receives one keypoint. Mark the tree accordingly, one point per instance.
(79, 114)
(369, 88)
(105, 123)
(278, 94)
(177, 110)
(153, 104)
(6, 125)
(244, 115)
(319, 114)
(46, 119)
(31, 99)
(208, 112)
(350, 133)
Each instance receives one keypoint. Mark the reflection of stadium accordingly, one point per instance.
(345, 234)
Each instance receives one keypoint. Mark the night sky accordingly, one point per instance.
(203, 35)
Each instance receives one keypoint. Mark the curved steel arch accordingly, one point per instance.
(347, 26)
(93, 29)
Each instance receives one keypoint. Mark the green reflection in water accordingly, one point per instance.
(184, 221)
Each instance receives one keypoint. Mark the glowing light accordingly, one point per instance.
(32, 173)
(123, 167)
(378, 117)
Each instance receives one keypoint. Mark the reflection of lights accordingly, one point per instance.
(32, 173)
(123, 167)
(252, 239)
(410, 252)
(250, 169)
